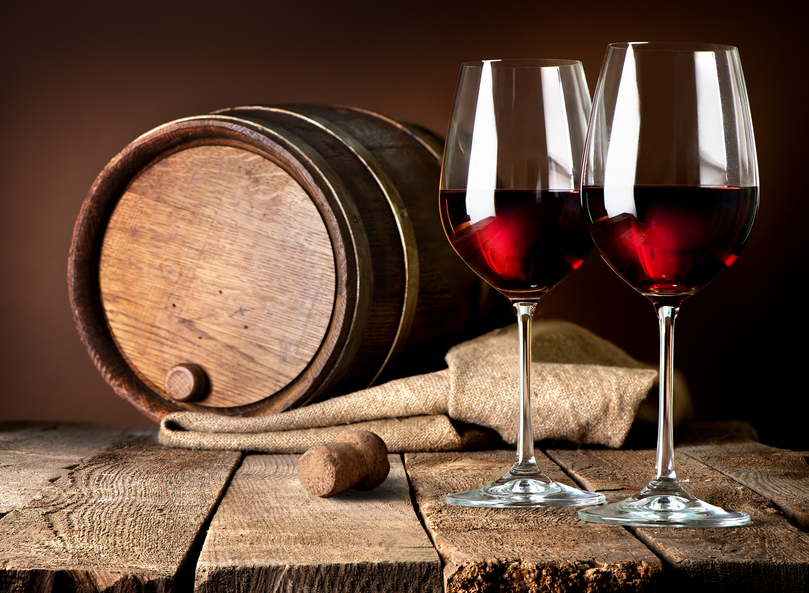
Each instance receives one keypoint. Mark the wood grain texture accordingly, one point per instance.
(33, 455)
(780, 476)
(125, 520)
(270, 535)
(520, 549)
(211, 257)
(770, 554)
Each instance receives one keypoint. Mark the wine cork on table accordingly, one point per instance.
(356, 459)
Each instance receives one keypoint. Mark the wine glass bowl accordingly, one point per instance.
(509, 185)
(510, 206)
(670, 196)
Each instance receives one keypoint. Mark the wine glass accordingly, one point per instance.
(511, 209)
(670, 194)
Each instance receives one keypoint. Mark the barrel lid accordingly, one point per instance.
(216, 255)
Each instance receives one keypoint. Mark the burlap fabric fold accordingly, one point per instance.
(584, 390)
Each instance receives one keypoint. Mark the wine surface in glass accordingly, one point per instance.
(677, 239)
(525, 244)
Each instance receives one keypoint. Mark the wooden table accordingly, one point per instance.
(97, 508)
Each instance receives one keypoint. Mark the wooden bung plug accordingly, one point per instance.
(356, 459)
(186, 382)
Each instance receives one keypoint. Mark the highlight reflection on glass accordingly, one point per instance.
(482, 175)
(510, 207)
(670, 195)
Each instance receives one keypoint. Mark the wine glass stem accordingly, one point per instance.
(525, 435)
(666, 315)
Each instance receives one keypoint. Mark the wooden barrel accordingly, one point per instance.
(260, 258)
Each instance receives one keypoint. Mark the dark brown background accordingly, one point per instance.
(79, 81)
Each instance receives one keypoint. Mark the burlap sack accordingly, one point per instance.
(584, 390)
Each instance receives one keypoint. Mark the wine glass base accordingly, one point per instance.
(653, 508)
(532, 490)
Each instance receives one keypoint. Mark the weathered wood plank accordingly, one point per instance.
(35, 454)
(270, 535)
(771, 554)
(127, 519)
(520, 549)
(778, 475)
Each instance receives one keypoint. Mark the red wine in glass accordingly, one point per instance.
(527, 244)
(678, 238)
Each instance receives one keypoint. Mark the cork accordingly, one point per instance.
(356, 459)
